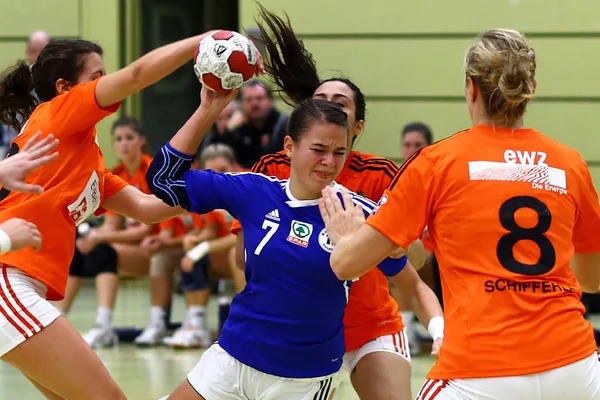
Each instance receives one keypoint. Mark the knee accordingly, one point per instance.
(197, 278)
(103, 258)
(163, 263)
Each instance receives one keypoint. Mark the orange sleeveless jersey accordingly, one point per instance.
(371, 312)
(506, 210)
(184, 224)
(74, 185)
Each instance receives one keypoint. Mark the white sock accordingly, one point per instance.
(196, 317)
(104, 317)
(407, 317)
(157, 316)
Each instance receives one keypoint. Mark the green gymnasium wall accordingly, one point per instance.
(407, 57)
(87, 19)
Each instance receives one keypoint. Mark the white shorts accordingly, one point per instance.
(577, 381)
(219, 376)
(24, 310)
(395, 344)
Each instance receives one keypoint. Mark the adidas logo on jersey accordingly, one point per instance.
(273, 215)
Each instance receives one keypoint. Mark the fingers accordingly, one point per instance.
(35, 235)
(358, 210)
(231, 96)
(435, 348)
(323, 211)
(41, 161)
(260, 64)
(329, 202)
(37, 240)
(44, 146)
(348, 203)
(32, 141)
(25, 187)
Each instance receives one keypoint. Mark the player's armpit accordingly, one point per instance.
(586, 267)
(141, 207)
(358, 253)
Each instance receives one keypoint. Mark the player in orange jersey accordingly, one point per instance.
(377, 354)
(69, 77)
(513, 216)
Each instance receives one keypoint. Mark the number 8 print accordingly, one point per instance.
(516, 233)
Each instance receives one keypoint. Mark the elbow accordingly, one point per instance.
(134, 74)
(166, 177)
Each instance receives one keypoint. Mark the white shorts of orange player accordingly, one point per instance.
(24, 310)
(577, 381)
(220, 376)
(396, 343)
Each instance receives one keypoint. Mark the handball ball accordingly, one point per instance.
(224, 61)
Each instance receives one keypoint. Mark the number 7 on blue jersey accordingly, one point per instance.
(272, 228)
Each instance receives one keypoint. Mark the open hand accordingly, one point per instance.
(35, 153)
(340, 220)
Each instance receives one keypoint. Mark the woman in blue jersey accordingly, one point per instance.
(284, 338)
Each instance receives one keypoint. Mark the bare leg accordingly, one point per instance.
(59, 344)
(382, 376)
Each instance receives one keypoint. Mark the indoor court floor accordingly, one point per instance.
(149, 373)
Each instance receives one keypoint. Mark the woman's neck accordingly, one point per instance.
(133, 165)
(299, 192)
(498, 121)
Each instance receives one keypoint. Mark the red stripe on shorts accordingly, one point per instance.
(431, 388)
(8, 317)
(395, 341)
(23, 308)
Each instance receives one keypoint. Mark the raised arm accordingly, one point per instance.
(149, 69)
(166, 174)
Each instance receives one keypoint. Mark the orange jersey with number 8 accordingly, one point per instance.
(506, 209)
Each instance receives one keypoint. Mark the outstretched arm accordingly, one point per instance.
(166, 175)
(148, 69)
(145, 208)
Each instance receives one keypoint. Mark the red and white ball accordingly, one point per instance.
(224, 61)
